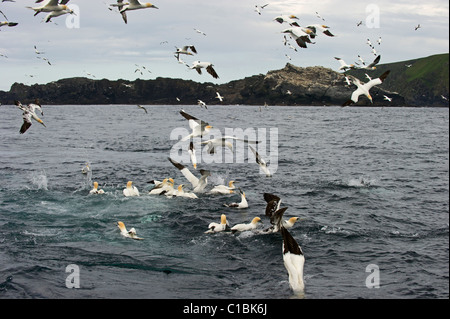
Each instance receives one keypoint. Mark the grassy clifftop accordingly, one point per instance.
(420, 81)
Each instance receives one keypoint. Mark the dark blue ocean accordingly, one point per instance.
(370, 185)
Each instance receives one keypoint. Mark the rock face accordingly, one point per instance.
(291, 85)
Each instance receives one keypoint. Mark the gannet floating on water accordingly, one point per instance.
(28, 114)
(223, 189)
(131, 190)
(216, 227)
(197, 126)
(246, 227)
(95, 190)
(261, 162)
(161, 187)
(52, 5)
(181, 193)
(365, 88)
(198, 66)
(128, 233)
(241, 205)
(198, 184)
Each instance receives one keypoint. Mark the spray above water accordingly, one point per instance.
(39, 179)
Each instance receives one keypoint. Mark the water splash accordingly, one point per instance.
(40, 180)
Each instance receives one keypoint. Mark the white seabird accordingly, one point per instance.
(261, 162)
(198, 184)
(162, 187)
(197, 126)
(54, 14)
(223, 189)
(52, 5)
(301, 36)
(185, 50)
(128, 233)
(387, 98)
(294, 261)
(241, 205)
(344, 66)
(289, 19)
(141, 107)
(216, 227)
(192, 154)
(372, 66)
(259, 8)
(181, 193)
(131, 190)
(220, 97)
(198, 66)
(8, 24)
(246, 227)
(202, 104)
(95, 190)
(222, 142)
(28, 114)
(135, 5)
(365, 88)
(85, 169)
(320, 28)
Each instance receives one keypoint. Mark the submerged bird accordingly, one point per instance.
(197, 126)
(198, 66)
(128, 233)
(216, 227)
(242, 204)
(261, 162)
(365, 88)
(131, 190)
(246, 227)
(294, 261)
(29, 113)
(223, 189)
(95, 190)
(198, 184)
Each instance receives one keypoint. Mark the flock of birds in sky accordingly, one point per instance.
(303, 36)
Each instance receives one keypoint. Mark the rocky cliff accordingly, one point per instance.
(291, 85)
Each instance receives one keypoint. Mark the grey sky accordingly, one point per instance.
(239, 42)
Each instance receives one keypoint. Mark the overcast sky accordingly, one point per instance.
(238, 41)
